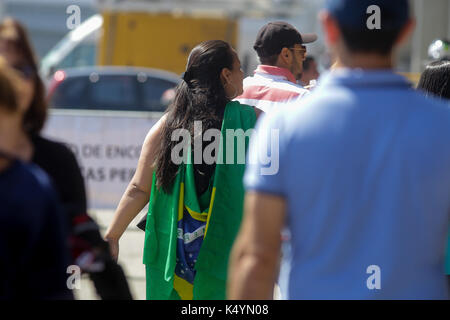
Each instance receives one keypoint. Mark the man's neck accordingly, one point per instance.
(368, 61)
(277, 70)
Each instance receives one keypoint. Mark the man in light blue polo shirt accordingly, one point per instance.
(364, 176)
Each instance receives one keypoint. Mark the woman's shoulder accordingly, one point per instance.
(41, 142)
(248, 113)
(237, 104)
(51, 151)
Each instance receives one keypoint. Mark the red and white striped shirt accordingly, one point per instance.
(269, 87)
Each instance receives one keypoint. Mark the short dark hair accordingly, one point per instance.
(307, 62)
(270, 60)
(435, 79)
(378, 41)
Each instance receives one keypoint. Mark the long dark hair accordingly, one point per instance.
(199, 97)
(36, 114)
(9, 83)
(436, 79)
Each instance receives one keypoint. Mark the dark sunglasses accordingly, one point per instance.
(302, 50)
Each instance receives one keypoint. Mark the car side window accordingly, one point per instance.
(113, 92)
(125, 92)
(71, 94)
(156, 93)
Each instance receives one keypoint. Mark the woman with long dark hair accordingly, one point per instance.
(59, 163)
(435, 79)
(195, 204)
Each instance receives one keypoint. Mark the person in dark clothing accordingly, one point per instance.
(33, 234)
(89, 250)
(33, 247)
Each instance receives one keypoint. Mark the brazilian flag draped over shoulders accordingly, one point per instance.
(188, 237)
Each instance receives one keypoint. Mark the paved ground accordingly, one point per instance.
(131, 247)
(130, 257)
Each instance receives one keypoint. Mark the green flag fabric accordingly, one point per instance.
(214, 217)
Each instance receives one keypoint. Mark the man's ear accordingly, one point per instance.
(406, 31)
(330, 28)
(285, 57)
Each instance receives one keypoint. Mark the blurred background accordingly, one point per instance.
(110, 68)
(109, 23)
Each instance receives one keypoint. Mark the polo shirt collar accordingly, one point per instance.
(276, 71)
(363, 78)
